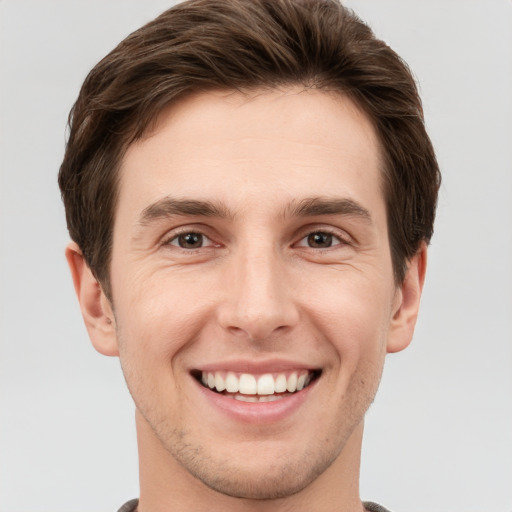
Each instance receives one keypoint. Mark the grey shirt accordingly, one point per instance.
(131, 506)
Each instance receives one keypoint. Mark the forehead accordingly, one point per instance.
(279, 145)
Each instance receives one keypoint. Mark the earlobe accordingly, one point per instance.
(408, 302)
(96, 308)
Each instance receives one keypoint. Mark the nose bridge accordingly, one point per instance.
(259, 298)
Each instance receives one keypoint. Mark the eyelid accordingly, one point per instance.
(342, 237)
(173, 235)
(207, 242)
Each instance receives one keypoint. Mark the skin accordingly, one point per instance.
(256, 291)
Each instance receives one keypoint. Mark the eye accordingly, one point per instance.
(320, 240)
(190, 240)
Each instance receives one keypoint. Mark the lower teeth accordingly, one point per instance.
(258, 398)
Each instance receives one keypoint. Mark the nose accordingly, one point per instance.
(259, 297)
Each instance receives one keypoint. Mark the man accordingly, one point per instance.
(250, 191)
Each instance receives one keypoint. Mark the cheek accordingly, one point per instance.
(154, 326)
(357, 311)
(156, 319)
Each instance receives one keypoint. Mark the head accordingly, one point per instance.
(242, 46)
(251, 189)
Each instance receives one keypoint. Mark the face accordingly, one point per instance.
(252, 285)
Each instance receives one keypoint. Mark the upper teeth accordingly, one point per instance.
(248, 384)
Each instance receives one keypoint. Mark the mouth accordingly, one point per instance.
(248, 387)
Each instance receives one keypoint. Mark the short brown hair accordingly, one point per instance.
(201, 45)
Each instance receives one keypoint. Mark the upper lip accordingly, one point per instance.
(255, 367)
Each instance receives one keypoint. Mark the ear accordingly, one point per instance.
(407, 302)
(96, 308)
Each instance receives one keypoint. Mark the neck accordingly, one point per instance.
(166, 485)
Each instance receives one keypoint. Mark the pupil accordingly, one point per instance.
(190, 240)
(320, 240)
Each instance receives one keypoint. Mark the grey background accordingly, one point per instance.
(438, 438)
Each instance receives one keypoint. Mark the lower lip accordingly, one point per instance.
(257, 412)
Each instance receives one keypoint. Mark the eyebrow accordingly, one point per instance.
(316, 206)
(309, 207)
(168, 206)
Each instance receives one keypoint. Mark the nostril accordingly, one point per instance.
(258, 333)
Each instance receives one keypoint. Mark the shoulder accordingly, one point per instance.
(129, 506)
(372, 507)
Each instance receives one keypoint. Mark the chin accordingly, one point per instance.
(254, 476)
(266, 484)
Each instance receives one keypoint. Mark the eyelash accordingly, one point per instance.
(336, 238)
(176, 236)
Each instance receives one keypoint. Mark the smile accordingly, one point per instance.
(267, 387)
